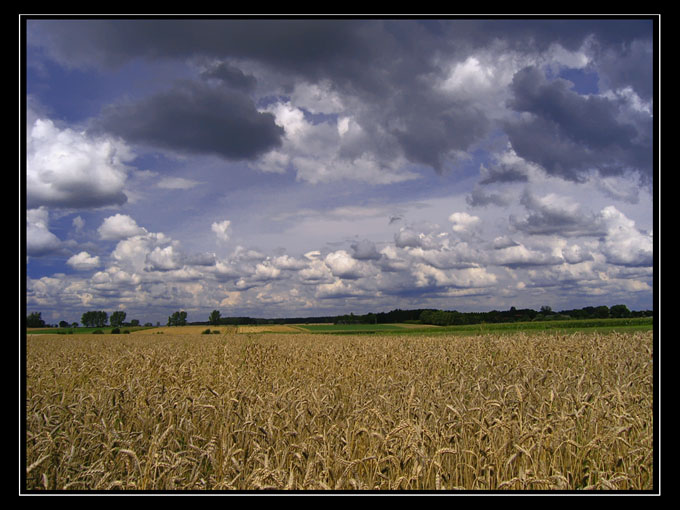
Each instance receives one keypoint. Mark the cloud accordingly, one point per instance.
(78, 223)
(343, 265)
(74, 169)
(365, 250)
(464, 222)
(332, 150)
(83, 261)
(220, 228)
(462, 278)
(177, 183)
(230, 76)
(39, 240)
(555, 214)
(358, 109)
(337, 290)
(131, 253)
(119, 226)
(196, 118)
(166, 258)
(624, 244)
(569, 134)
(518, 255)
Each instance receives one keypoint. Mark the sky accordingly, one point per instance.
(309, 167)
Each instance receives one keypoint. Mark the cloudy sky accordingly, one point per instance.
(295, 168)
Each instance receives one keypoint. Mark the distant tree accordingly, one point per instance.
(75, 325)
(134, 322)
(87, 319)
(546, 310)
(619, 312)
(178, 319)
(34, 320)
(94, 319)
(117, 318)
(214, 318)
(601, 312)
(63, 324)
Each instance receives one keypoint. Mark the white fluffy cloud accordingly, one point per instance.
(83, 261)
(332, 150)
(343, 265)
(119, 226)
(39, 239)
(624, 244)
(464, 222)
(68, 168)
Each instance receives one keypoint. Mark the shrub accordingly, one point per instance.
(97, 332)
(206, 332)
(126, 332)
(115, 331)
(215, 332)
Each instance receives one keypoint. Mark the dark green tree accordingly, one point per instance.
(34, 320)
(214, 318)
(117, 318)
(601, 312)
(94, 319)
(619, 312)
(178, 319)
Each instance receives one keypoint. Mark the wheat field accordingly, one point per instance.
(310, 412)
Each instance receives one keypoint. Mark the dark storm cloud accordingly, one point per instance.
(430, 131)
(569, 134)
(298, 45)
(389, 68)
(231, 76)
(196, 118)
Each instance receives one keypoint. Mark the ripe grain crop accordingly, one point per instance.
(322, 412)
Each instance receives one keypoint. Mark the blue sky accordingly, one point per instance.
(271, 167)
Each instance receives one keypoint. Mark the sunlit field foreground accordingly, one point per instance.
(319, 412)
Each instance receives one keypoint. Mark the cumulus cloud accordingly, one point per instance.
(556, 214)
(328, 151)
(74, 169)
(119, 226)
(464, 222)
(164, 258)
(365, 250)
(463, 278)
(131, 253)
(39, 240)
(518, 255)
(624, 244)
(83, 261)
(343, 265)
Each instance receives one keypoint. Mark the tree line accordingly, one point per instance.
(97, 318)
(89, 319)
(443, 317)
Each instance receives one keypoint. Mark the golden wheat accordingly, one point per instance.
(313, 412)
